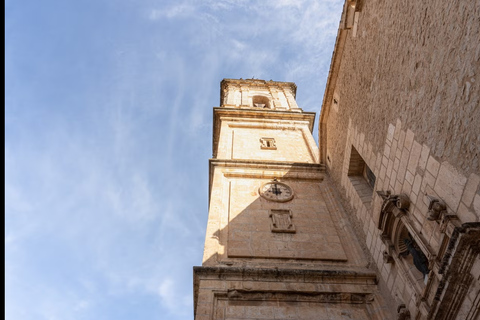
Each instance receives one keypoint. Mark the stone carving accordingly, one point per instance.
(436, 208)
(402, 202)
(282, 221)
(268, 143)
(387, 258)
(403, 313)
(463, 249)
(396, 204)
(322, 297)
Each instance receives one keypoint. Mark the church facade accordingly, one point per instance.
(399, 134)
(381, 221)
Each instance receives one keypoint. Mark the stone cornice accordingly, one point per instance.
(266, 164)
(245, 113)
(252, 83)
(298, 275)
(325, 277)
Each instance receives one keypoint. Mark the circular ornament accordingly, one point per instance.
(276, 191)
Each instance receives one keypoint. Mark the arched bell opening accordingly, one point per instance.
(261, 102)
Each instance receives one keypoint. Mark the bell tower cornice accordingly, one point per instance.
(258, 94)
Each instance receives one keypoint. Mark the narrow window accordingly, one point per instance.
(369, 176)
(413, 258)
(268, 143)
(361, 176)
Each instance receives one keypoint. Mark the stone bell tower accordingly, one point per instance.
(278, 245)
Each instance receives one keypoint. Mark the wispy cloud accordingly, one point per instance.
(181, 10)
(107, 179)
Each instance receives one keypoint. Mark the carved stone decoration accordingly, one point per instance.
(321, 297)
(396, 204)
(403, 313)
(387, 258)
(282, 221)
(402, 202)
(436, 208)
(268, 143)
(463, 249)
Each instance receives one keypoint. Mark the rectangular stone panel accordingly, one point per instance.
(290, 144)
(301, 228)
(291, 308)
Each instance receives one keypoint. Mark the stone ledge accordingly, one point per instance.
(324, 277)
(266, 164)
(299, 275)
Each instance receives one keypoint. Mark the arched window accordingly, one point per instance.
(261, 102)
(401, 245)
(411, 255)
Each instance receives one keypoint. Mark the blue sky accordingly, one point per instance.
(108, 125)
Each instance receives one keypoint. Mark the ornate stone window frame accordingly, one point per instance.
(394, 223)
(450, 274)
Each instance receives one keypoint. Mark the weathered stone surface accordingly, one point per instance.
(409, 86)
(476, 205)
(449, 185)
(470, 189)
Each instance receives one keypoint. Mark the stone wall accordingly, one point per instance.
(278, 294)
(239, 230)
(403, 93)
(245, 141)
(419, 62)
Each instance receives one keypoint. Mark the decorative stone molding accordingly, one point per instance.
(268, 143)
(322, 297)
(282, 221)
(405, 246)
(457, 262)
(396, 204)
(402, 202)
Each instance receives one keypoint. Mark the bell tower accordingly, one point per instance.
(277, 245)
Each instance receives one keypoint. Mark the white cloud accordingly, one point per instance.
(181, 10)
(117, 185)
(287, 3)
